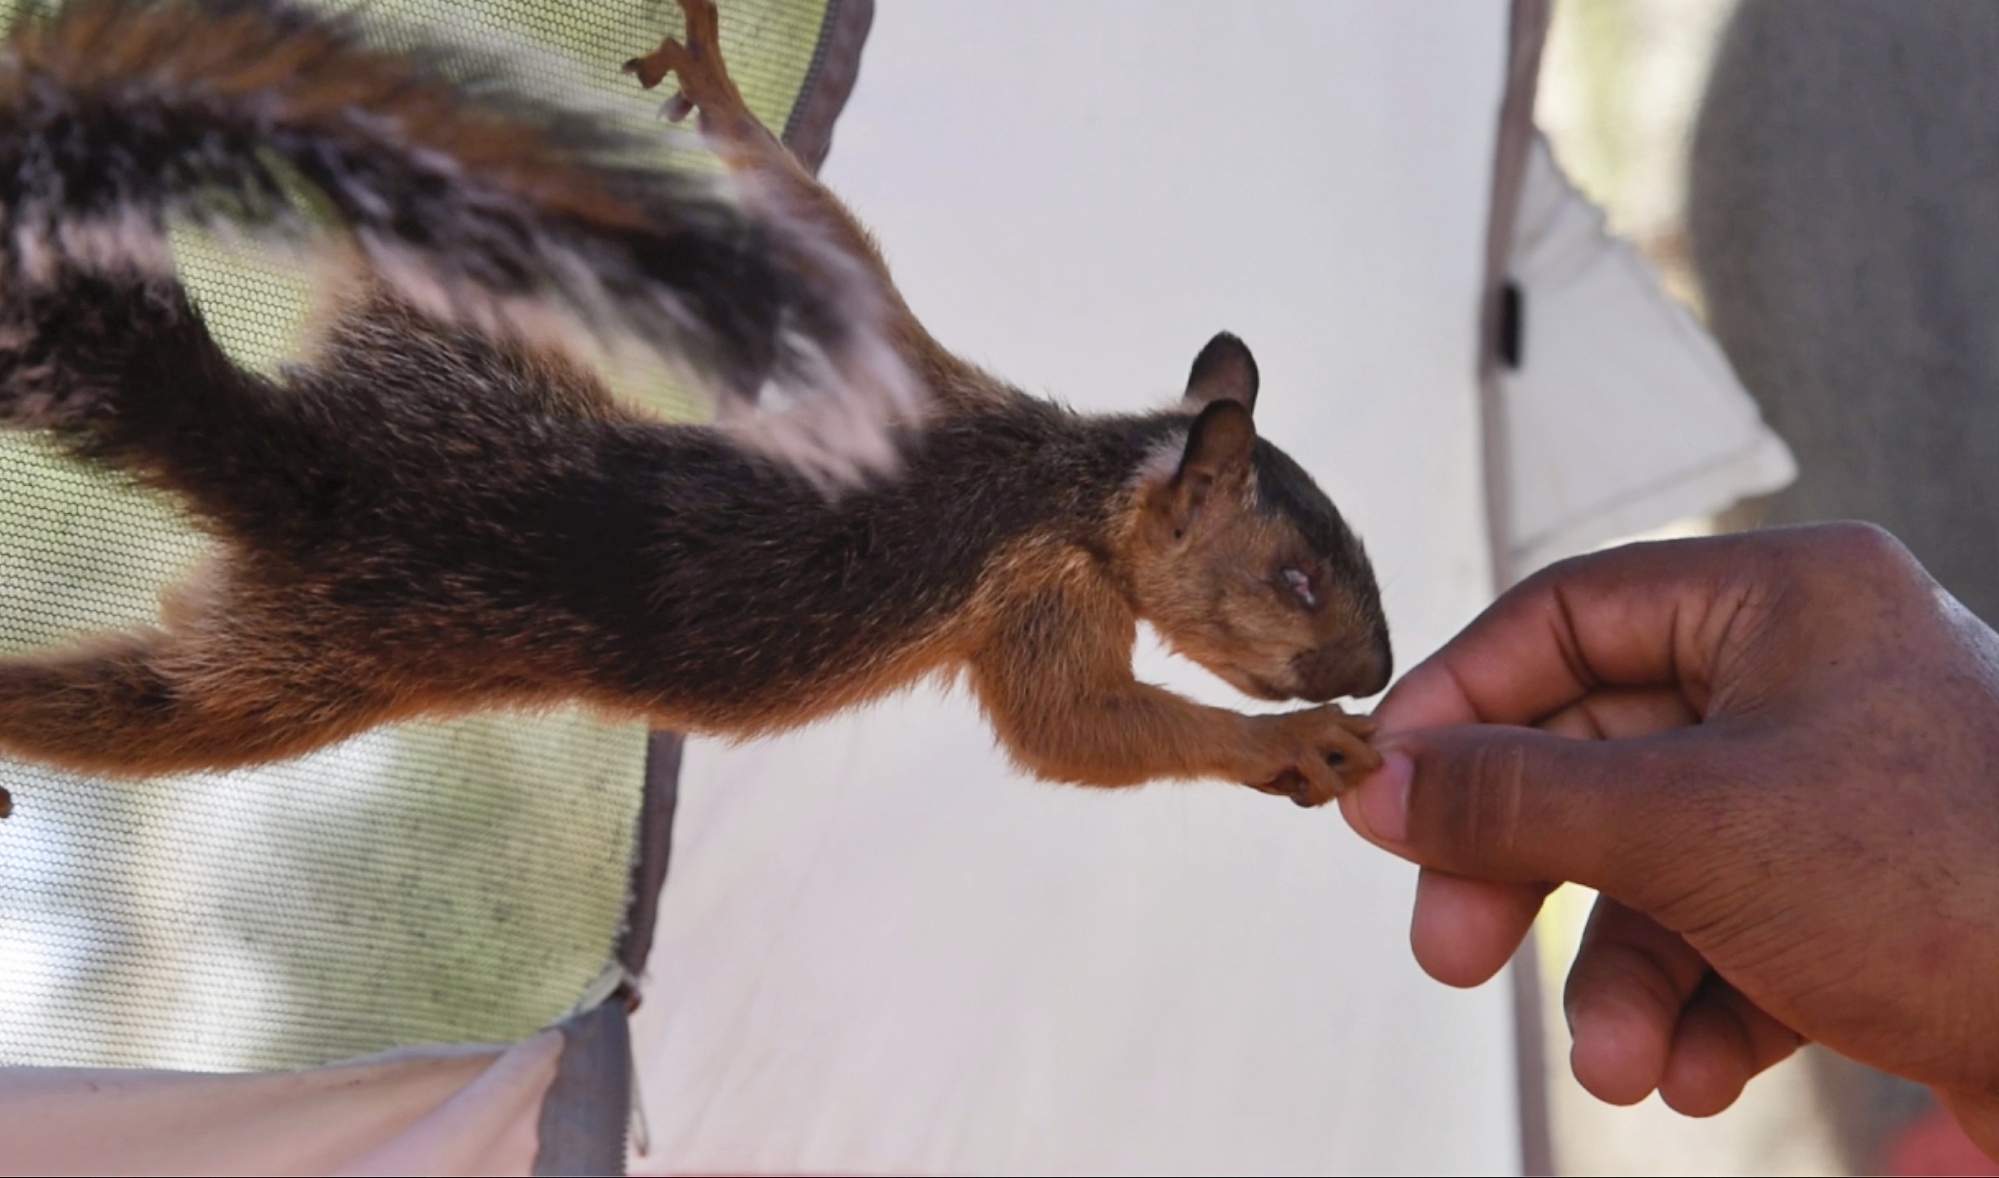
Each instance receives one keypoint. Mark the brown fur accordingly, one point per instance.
(425, 521)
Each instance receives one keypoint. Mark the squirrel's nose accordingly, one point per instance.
(1357, 667)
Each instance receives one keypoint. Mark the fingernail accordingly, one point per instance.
(1384, 797)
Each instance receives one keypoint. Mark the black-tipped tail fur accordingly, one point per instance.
(468, 195)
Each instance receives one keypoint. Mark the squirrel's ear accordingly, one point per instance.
(1218, 451)
(1224, 371)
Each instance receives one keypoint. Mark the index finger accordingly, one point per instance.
(1645, 615)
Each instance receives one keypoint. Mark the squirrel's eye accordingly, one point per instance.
(1301, 584)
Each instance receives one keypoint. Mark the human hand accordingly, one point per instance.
(1775, 755)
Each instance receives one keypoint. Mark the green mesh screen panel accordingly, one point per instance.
(423, 883)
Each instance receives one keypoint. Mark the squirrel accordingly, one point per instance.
(435, 512)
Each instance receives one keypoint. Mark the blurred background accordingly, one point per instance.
(1811, 181)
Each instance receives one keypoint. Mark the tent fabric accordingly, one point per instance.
(1512, 149)
(1623, 415)
(1527, 35)
(448, 1111)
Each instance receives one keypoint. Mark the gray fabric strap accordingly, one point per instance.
(1527, 32)
(1529, 29)
(836, 63)
(655, 848)
(584, 1114)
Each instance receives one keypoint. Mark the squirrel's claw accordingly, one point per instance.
(671, 57)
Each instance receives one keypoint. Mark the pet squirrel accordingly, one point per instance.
(434, 512)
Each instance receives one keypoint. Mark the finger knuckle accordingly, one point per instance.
(1478, 812)
(1859, 547)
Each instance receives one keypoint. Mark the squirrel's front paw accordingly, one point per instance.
(1312, 755)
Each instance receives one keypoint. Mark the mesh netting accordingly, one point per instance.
(421, 883)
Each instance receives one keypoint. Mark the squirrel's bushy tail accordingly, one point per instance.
(463, 191)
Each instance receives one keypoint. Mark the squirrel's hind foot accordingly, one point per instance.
(705, 85)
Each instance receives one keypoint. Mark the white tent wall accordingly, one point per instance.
(879, 948)
(1624, 414)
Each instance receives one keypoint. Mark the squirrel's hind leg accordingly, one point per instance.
(754, 154)
(731, 130)
(216, 687)
(822, 236)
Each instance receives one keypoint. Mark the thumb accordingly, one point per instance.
(1517, 805)
(1978, 1115)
